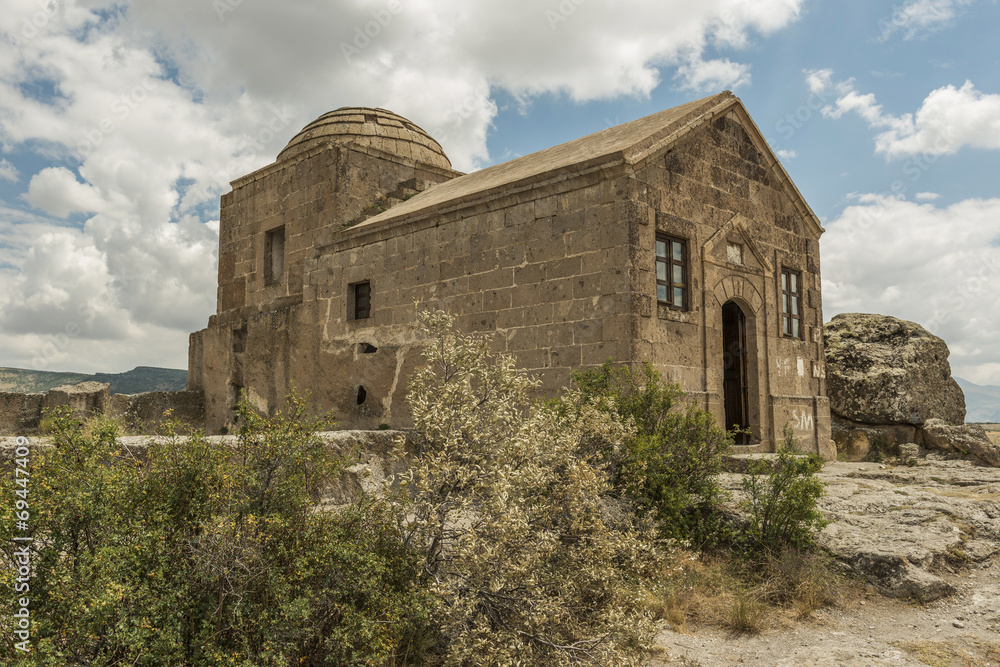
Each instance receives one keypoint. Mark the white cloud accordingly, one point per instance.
(713, 75)
(787, 155)
(151, 108)
(920, 17)
(8, 172)
(56, 191)
(948, 119)
(891, 256)
(927, 196)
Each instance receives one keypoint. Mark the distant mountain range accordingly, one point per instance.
(136, 381)
(982, 403)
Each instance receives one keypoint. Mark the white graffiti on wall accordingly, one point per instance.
(788, 367)
(802, 420)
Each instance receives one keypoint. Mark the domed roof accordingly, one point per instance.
(362, 126)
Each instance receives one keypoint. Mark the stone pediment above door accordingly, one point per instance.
(734, 248)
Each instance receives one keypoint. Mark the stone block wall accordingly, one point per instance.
(308, 196)
(715, 189)
(146, 411)
(21, 414)
(546, 269)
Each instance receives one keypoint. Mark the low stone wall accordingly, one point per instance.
(145, 412)
(370, 454)
(21, 414)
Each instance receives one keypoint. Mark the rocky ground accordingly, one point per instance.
(927, 539)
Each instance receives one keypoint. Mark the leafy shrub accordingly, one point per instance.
(780, 503)
(506, 514)
(201, 554)
(672, 462)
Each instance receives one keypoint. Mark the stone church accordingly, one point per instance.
(677, 238)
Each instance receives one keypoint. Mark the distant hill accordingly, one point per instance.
(136, 381)
(982, 403)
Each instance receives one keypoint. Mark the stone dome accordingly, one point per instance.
(362, 126)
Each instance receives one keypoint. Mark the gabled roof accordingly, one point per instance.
(630, 143)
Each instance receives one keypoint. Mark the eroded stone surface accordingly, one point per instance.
(926, 531)
(965, 438)
(883, 370)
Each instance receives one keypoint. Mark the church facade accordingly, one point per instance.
(677, 239)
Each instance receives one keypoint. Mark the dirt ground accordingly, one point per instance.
(867, 628)
(960, 631)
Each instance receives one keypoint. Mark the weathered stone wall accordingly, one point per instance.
(20, 414)
(559, 265)
(713, 190)
(146, 411)
(546, 268)
(311, 195)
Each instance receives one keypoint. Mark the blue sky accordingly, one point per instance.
(121, 123)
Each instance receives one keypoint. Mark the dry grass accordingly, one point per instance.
(994, 437)
(748, 615)
(747, 598)
(950, 654)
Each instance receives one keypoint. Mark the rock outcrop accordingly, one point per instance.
(890, 384)
(966, 439)
(883, 370)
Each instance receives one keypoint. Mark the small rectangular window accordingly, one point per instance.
(791, 304)
(671, 271)
(362, 300)
(734, 253)
(274, 255)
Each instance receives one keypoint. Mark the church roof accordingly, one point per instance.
(362, 126)
(630, 142)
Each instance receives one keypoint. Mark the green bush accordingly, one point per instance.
(201, 554)
(507, 515)
(672, 462)
(780, 503)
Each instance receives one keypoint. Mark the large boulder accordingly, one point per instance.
(883, 370)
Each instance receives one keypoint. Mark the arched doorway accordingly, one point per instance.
(736, 371)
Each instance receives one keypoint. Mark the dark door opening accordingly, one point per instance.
(734, 345)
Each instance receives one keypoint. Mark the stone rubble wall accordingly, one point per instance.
(373, 463)
(21, 414)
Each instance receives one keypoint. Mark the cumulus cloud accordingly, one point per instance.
(937, 266)
(713, 75)
(146, 110)
(56, 191)
(921, 17)
(948, 119)
(8, 172)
